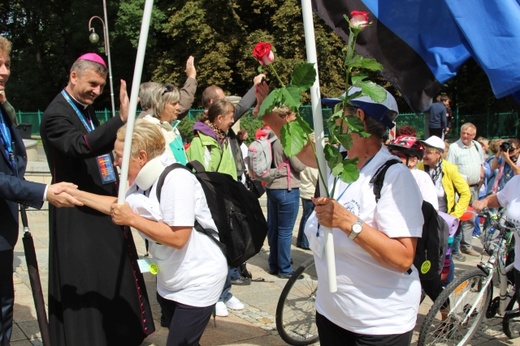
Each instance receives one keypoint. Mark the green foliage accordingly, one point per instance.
(186, 129)
(251, 124)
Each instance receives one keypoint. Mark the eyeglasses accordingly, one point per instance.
(168, 88)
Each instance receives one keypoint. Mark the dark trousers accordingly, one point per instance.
(332, 334)
(516, 274)
(436, 132)
(187, 322)
(6, 296)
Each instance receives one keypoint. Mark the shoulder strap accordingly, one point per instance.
(190, 166)
(379, 177)
(477, 147)
(162, 177)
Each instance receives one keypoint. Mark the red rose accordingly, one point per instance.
(359, 19)
(262, 52)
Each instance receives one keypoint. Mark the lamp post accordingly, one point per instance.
(94, 38)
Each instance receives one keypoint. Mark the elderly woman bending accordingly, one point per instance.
(192, 269)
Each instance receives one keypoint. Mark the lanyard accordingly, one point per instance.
(80, 115)
(5, 136)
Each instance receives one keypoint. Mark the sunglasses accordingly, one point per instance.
(168, 88)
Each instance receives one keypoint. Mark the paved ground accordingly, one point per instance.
(255, 325)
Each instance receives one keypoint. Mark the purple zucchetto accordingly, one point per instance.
(93, 57)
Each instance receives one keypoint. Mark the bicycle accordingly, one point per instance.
(295, 311)
(458, 311)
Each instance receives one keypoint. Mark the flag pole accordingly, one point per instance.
(136, 81)
(310, 46)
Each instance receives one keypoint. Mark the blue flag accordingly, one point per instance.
(423, 43)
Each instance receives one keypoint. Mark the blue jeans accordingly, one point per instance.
(226, 295)
(467, 227)
(282, 210)
(308, 207)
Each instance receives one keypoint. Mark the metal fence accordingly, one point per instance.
(490, 125)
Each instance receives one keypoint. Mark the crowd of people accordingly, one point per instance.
(96, 292)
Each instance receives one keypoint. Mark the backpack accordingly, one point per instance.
(432, 247)
(241, 224)
(260, 160)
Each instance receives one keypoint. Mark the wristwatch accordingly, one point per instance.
(356, 228)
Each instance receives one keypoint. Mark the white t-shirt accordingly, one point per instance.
(509, 197)
(372, 299)
(195, 274)
(425, 183)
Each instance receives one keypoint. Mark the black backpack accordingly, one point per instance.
(241, 224)
(431, 248)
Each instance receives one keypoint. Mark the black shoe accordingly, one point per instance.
(241, 281)
(288, 276)
(273, 272)
(303, 247)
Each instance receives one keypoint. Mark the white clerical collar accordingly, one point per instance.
(83, 104)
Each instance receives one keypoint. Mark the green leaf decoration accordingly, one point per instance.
(269, 102)
(358, 80)
(293, 138)
(304, 125)
(336, 169)
(303, 76)
(365, 63)
(355, 124)
(350, 173)
(331, 153)
(374, 91)
(291, 97)
(345, 139)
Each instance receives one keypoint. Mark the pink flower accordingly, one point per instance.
(359, 20)
(263, 53)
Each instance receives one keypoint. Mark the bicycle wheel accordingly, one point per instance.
(511, 320)
(448, 322)
(295, 312)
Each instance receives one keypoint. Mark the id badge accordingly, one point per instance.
(106, 169)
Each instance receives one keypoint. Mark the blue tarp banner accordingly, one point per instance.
(423, 43)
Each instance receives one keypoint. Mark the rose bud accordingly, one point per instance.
(359, 20)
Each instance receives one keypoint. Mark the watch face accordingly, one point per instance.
(356, 228)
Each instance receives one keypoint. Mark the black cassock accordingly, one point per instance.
(97, 294)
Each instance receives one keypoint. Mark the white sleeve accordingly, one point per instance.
(398, 212)
(510, 191)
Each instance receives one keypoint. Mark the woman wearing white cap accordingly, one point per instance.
(378, 289)
(448, 182)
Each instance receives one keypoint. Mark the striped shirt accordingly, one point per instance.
(468, 159)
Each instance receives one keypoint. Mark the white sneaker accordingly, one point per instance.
(235, 304)
(221, 310)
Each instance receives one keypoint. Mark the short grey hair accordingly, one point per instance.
(146, 94)
(163, 95)
(81, 66)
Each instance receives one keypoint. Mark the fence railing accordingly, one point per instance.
(490, 125)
